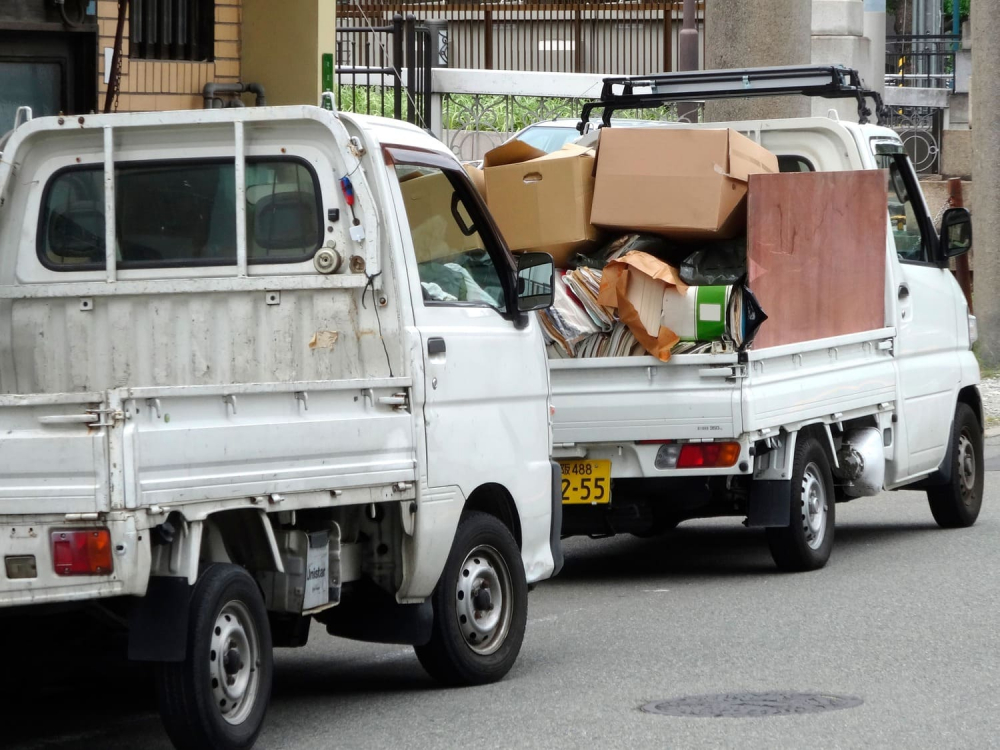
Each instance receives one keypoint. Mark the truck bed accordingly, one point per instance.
(720, 396)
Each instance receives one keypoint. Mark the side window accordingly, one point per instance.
(907, 229)
(181, 214)
(452, 259)
(795, 164)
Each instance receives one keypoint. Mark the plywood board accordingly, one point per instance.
(816, 253)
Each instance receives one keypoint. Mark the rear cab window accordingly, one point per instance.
(181, 213)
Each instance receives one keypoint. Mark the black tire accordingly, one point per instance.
(956, 505)
(806, 543)
(484, 556)
(188, 691)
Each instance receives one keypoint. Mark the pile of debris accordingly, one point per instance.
(648, 233)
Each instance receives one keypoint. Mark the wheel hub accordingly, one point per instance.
(814, 506)
(483, 600)
(234, 659)
(966, 468)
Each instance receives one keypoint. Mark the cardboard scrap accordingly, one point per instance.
(634, 284)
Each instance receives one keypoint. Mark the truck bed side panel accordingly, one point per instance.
(817, 380)
(640, 398)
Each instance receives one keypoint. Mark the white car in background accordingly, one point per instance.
(552, 135)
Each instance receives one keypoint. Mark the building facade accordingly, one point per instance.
(57, 57)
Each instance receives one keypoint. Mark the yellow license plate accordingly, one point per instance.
(586, 482)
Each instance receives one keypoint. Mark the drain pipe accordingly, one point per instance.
(212, 100)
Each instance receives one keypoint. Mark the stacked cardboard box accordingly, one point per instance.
(687, 185)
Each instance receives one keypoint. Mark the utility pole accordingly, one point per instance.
(985, 120)
(745, 34)
(687, 55)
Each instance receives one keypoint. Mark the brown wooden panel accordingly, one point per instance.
(816, 253)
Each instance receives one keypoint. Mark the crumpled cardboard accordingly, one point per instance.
(634, 284)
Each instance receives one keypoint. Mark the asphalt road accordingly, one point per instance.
(904, 617)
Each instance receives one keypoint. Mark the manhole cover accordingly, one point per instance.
(738, 705)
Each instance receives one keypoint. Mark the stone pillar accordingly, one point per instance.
(744, 34)
(838, 38)
(875, 32)
(985, 118)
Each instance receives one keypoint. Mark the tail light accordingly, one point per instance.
(697, 455)
(708, 455)
(82, 552)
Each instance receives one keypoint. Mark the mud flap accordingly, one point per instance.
(770, 503)
(158, 625)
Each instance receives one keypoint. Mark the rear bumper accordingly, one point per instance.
(32, 538)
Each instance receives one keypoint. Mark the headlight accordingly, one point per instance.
(973, 330)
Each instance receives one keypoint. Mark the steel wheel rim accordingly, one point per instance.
(966, 468)
(484, 600)
(234, 662)
(814, 506)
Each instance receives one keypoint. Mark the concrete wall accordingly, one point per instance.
(283, 45)
(158, 85)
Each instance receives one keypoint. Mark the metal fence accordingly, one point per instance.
(920, 130)
(396, 80)
(927, 61)
(578, 36)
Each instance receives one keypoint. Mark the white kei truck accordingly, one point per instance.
(250, 377)
(781, 434)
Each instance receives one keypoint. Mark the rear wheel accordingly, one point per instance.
(957, 504)
(807, 541)
(480, 606)
(217, 697)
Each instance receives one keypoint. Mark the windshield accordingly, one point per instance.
(548, 138)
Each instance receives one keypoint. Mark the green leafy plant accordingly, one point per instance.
(963, 8)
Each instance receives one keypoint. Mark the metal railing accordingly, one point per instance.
(927, 61)
(392, 78)
(572, 36)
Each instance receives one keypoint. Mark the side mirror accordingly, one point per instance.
(534, 281)
(956, 232)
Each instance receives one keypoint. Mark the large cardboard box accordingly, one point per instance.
(542, 201)
(684, 183)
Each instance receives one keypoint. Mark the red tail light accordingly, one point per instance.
(82, 552)
(708, 455)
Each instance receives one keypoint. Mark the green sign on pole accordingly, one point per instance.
(326, 68)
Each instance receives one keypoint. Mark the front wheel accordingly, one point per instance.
(480, 606)
(957, 504)
(807, 541)
(217, 697)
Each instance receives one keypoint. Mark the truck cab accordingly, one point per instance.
(259, 368)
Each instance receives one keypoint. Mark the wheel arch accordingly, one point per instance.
(494, 499)
(970, 395)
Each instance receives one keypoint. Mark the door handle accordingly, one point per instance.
(904, 292)
(436, 345)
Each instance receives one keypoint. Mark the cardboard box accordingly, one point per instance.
(436, 235)
(684, 183)
(477, 177)
(542, 201)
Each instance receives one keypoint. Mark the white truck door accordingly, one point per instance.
(486, 382)
(927, 326)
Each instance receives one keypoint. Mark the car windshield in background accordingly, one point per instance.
(548, 138)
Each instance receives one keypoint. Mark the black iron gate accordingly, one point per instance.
(388, 70)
